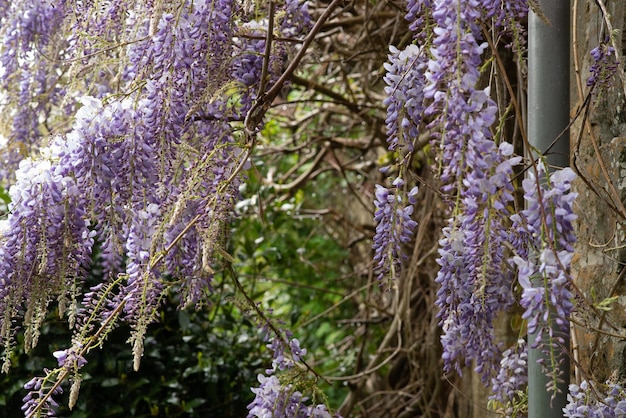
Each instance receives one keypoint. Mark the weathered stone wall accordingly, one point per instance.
(598, 141)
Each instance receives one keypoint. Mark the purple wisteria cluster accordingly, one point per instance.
(476, 171)
(542, 238)
(30, 36)
(543, 265)
(41, 390)
(70, 357)
(394, 228)
(584, 401)
(419, 17)
(296, 20)
(508, 19)
(250, 61)
(45, 246)
(544, 249)
(274, 399)
(40, 398)
(405, 97)
(250, 48)
(509, 385)
(395, 205)
(604, 65)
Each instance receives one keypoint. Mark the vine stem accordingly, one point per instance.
(262, 315)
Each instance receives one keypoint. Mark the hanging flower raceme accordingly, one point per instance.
(46, 245)
(604, 65)
(30, 37)
(394, 228)
(274, 399)
(404, 102)
(507, 18)
(117, 165)
(38, 399)
(543, 240)
(249, 51)
(584, 400)
(543, 271)
(394, 206)
(508, 387)
(476, 172)
(418, 15)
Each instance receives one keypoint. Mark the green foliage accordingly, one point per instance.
(5, 199)
(606, 305)
(290, 259)
(294, 268)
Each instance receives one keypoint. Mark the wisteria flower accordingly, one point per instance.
(394, 228)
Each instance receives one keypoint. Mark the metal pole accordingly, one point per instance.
(548, 116)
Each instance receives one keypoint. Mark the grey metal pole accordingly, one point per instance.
(548, 116)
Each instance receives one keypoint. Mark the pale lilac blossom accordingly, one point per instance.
(394, 228)
(37, 389)
(588, 401)
(509, 384)
(476, 171)
(604, 65)
(274, 399)
(404, 102)
(543, 272)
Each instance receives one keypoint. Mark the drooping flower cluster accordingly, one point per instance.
(543, 270)
(36, 401)
(508, 19)
(30, 32)
(604, 65)
(509, 385)
(277, 400)
(394, 206)
(297, 19)
(46, 245)
(477, 172)
(70, 357)
(272, 399)
(419, 15)
(251, 44)
(583, 401)
(543, 261)
(394, 228)
(404, 101)
(40, 399)
(542, 236)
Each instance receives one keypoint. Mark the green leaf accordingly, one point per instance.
(183, 320)
(4, 196)
(110, 382)
(606, 305)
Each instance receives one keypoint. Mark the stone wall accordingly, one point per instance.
(598, 139)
